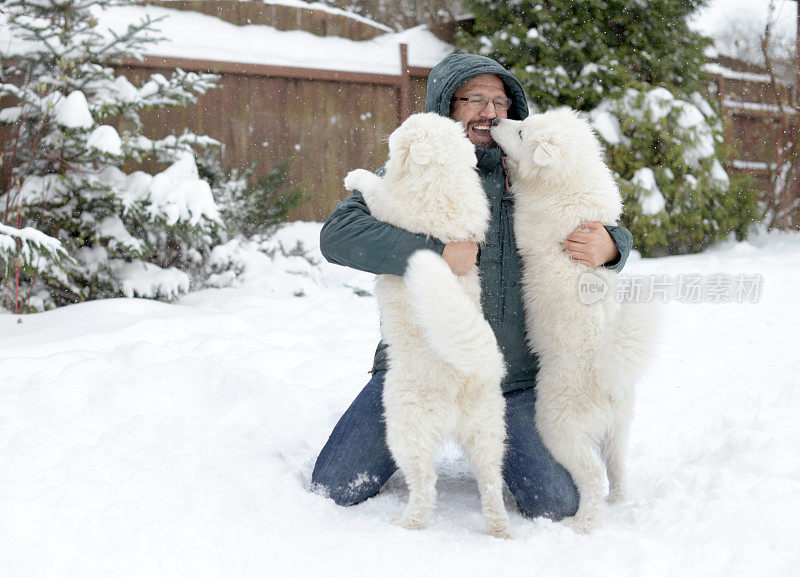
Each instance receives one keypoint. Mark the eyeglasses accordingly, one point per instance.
(479, 102)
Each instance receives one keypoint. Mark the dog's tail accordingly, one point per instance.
(452, 324)
(634, 341)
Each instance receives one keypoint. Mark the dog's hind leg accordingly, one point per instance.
(416, 462)
(588, 475)
(572, 447)
(412, 433)
(482, 435)
(614, 451)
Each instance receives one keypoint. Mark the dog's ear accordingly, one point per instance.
(546, 154)
(421, 153)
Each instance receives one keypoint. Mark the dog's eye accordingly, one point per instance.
(520, 134)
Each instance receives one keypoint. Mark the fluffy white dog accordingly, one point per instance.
(590, 353)
(445, 366)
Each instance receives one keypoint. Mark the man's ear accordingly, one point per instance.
(421, 153)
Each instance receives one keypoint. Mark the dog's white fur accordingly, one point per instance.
(445, 366)
(590, 355)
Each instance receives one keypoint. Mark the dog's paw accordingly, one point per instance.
(412, 523)
(413, 517)
(361, 180)
(616, 496)
(581, 525)
(501, 532)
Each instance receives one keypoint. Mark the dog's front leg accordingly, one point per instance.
(412, 438)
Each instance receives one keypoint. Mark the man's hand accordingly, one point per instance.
(461, 256)
(591, 245)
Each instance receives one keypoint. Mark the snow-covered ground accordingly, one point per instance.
(140, 438)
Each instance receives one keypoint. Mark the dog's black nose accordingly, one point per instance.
(494, 122)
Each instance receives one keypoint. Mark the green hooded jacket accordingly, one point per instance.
(353, 238)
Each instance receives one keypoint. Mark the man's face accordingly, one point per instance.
(476, 122)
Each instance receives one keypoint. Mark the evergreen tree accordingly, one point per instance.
(251, 204)
(636, 68)
(74, 225)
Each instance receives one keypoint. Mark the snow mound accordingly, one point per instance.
(105, 139)
(73, 111)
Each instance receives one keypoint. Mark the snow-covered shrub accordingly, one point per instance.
(74, 225)
(253, 204)
(636, 68)
(666, 153)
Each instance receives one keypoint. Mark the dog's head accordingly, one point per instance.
(545, 145)
(432, 178)
(426, 141)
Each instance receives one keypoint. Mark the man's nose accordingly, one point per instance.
(489, 110)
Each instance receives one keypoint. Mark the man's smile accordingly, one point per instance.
(480, 131)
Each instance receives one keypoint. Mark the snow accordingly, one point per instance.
(179, 194)
(694, 118)
(105, 139)
(140, 438)
(606, 124)
(124, 90)
(198, 36)
(649, 195)
(752, 165)
(714, 68)
(320, 7)
(719, 175)
(31, 242)
(194, 35)
(143, 279)
(73, 111)
(659, 101)
(10, 115)
(755, 106)
(114, 229)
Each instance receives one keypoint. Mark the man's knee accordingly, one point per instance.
(552, 502)
(344, 492)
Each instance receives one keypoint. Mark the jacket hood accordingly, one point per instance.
(448, 76)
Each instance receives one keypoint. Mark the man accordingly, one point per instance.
(355, 462)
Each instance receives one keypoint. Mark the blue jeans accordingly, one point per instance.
(356, 462)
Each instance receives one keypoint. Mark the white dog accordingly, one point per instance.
(445, 366)
(590, 354)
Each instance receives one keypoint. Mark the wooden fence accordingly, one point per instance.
(752, 123)
(330, 122)
(326, 122)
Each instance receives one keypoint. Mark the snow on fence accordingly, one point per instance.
(316, 18)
